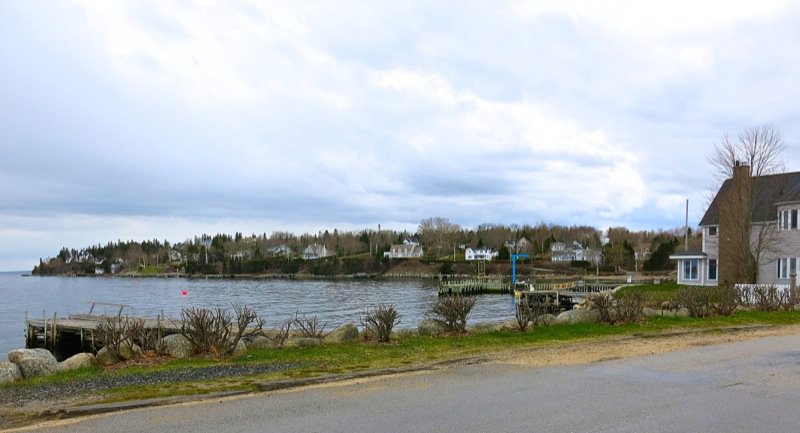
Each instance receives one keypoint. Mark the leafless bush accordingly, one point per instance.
(604, 303)
(309, 328)
(379, 321)
(725, 299)
(282, 333)
(217, 331)
(114, 332)
(697, 300)
(629, 307)
(451, 312)
(769, 298)
(530, 313)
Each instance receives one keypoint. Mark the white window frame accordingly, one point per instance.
(786, 267)
(691, 269)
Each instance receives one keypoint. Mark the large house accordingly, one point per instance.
(479, 254)
(769, 204)
(406, 250)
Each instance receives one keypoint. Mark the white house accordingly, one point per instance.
(405, 251)
(479, 254)
(313, 252)
(774, 233)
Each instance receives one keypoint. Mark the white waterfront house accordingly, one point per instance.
(407, 250)
(479, 254)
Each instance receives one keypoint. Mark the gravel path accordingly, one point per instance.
(21, 395)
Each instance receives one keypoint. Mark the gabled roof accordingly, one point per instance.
(767, 191)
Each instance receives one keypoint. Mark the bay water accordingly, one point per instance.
(333, 301)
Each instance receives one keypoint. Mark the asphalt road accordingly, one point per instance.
(751, 386)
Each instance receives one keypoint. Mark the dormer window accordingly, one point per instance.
(712, 231)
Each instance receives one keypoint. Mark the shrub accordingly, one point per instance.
(696, 299)
(725, 299)
(615, 308)
(113, 332)
(451, 312)
(629, 308)
(214, 331)
(379, 321)
(310, 328)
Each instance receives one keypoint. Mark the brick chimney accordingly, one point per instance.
(734, 226)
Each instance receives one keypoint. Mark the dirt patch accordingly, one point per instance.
(632, 346)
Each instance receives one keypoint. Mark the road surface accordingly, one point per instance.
(750, 386)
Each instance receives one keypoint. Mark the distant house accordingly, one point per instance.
(280, 250)
(405, 251)
(410, 241)
(518, 246)
(175, 256)
(479, 254)
(313, 252)
(774, 223)
(99, 271)
(560, 252)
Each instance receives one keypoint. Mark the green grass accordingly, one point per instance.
(411, 351)
(655, 294)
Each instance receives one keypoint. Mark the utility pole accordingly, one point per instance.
(686, 229)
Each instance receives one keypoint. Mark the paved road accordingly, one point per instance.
(739, 387)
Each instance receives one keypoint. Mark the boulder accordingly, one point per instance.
(544, 320)
(428, 327)
(574, 317)
(650, 312)
(105, 357)
(509, 325)
(77, 361)
(344, 333)
(176, 346)
(129, 350)
(240, 349)
(33, 362)
(303, 342)
(9, 372)
(682, 312)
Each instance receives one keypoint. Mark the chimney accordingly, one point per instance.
(740, 170)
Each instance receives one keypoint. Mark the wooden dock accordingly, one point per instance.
(77, 332)
(474, 286)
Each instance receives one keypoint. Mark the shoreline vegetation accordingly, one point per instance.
(154, 376)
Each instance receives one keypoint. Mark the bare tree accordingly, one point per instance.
(760, 147)
(744, 243)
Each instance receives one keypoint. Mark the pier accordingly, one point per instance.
(66, 336)
(474, 286)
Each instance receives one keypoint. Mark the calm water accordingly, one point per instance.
(333, 301)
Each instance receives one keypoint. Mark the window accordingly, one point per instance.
(787, 219)
(690, 268)
(712, 269)
(712, 231)
(786, 267)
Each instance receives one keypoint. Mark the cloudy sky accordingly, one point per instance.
(166, 119)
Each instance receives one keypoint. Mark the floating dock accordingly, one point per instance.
(474, 286)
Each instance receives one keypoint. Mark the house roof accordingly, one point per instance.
(688, 255)
(767, 191)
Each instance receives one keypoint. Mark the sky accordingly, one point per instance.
(168, 119)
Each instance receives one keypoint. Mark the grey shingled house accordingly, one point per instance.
(750, 232)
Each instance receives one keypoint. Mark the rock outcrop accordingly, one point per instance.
(33, 362)
(77, 361)
(574, 317)
(344, 333)
(176, 346)
(9, 372)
